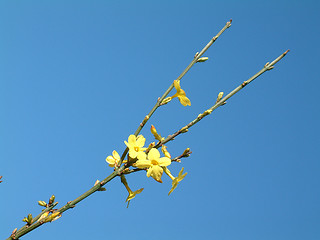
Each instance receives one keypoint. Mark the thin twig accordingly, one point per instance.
(36, 218)
(195, 59)
(24, 230)
(118, 171)
(267, 66)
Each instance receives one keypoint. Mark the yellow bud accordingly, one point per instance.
(42, 203)
(54, 216)
(145, 120)
(186, 152)
(166, 100)
(220, 95)
(165, 151)
(30, 218)
(96, 182)
(184, 129)
(51, 200)
(202, 59)
(57, 216)
(43, 216)
(155, 133)
(207, 112)
(151, 145)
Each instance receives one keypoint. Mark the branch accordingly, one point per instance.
(25, 229)
(195, 59)
(267, 66)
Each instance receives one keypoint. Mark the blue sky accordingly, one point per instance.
(77, 77)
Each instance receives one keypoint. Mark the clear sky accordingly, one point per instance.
(77, 77)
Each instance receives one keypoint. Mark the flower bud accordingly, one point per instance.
(29, 218)
(166, 100)
(151, 145)
(186, 153)
(42, 203)
(43, 216)
(145, 120)
(202, 59)
(220, 95)
(51, 200)
(155, 133)
(54, 216)
(207, 112)
(184, 129)
(96, 182)
(165, 151)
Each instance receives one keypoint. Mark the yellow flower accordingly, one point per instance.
(154, 164)
(175, 181)
(135, 145)
(181, 95)
(114, 159)
(131, 194)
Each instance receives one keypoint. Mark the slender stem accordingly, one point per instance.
(24, 230)
(267, 66)
(37, 217)
(195, 59)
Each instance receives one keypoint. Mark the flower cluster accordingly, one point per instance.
(148, 158)
(142, 158)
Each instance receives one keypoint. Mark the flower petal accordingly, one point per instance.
(184, 101)
(132, 153)
(142, 156)
(142, 164)
(140, 141)
(164, 161)
(149, 171)
(176, 84)
(110, 160)
(174, 185)
(132, 140)
(156, 173)
(116, 155)
(154, 154)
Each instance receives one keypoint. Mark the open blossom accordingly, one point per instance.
(135, 145)
(181, 95)
(154, 164)
(114, 159)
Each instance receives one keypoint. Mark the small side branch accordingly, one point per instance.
(195, 59)
(267, 66)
